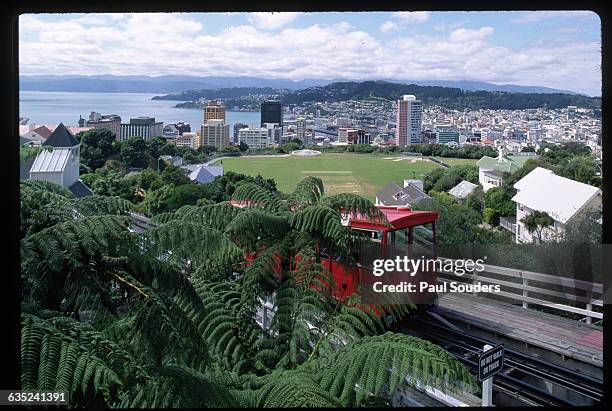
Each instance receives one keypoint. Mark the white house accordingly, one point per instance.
(462, 190)
(33, 133)
(561, 198)
(491, 170)
(61, 163)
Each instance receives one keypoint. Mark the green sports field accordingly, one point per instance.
(341, 173)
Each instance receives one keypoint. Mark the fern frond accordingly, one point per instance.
(252, 195)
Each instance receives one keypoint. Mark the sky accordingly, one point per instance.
(559, 49)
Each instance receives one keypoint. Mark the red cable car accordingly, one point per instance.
(410, 233)
(387, 242)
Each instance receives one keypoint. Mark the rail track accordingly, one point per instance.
(517, 366)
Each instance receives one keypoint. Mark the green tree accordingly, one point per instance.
(133, 152)
(490, 216)
(476, 200)
(500, 200)
(170, 311)
(174, 175)
(154, 146)
(97, 146)
(243, 146)
(183, 195)
(536, 222)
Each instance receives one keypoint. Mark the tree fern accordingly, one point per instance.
(376, 365)
(52, 360)
(308, 191)
(252, 195)
(353, 204)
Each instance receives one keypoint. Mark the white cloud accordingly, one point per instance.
(155, 44)
(412, 16)
(465, 35)
(270, 21)
(388, 26)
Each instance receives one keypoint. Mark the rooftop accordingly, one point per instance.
(61, 137)
(398, 217)
(53, 161)
(463, 189)
(558, 196)
(508, 164)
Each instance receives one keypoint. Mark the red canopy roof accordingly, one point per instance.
(399, 218)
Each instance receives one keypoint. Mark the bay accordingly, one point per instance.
(54, 107)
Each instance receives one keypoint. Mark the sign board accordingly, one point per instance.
(374, 235)
(490, 362)
(345, 219)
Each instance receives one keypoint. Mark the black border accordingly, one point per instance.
(10, 168)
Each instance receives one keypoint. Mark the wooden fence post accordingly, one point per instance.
(525, 291)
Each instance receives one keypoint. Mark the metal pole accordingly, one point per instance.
(487, 385)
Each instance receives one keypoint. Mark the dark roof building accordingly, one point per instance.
(79, 189)
(394, 195)
(61, 137)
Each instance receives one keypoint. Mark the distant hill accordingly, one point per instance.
(481, 85)
(107, 83)
(448, 97)
(451, 98)
(222, 93)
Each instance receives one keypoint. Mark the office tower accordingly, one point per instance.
(214, 111)
(571, 112)
(144, 127)
(300, 126)
(237, 128)
(215, 133)
(409, 118)
(271, 112)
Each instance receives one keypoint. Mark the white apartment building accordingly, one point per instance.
(561, 198)
(254, 137)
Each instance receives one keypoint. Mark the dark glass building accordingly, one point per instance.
(271, 112)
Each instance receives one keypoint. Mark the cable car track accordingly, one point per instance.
(466, 346)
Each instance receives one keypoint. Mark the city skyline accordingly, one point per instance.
(550, 49)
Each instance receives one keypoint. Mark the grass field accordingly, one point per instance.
(457, 161)
(341, 173)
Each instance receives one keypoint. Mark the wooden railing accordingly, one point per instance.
(562, 294)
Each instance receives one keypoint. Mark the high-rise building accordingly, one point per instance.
(144, 127)
(300, 126)
(214, 111)
(238, 127)
(254, 137)
(215, 133)
(99, 121)
(409, 119)
(275, 132)
(272, 112)
(571, 112)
